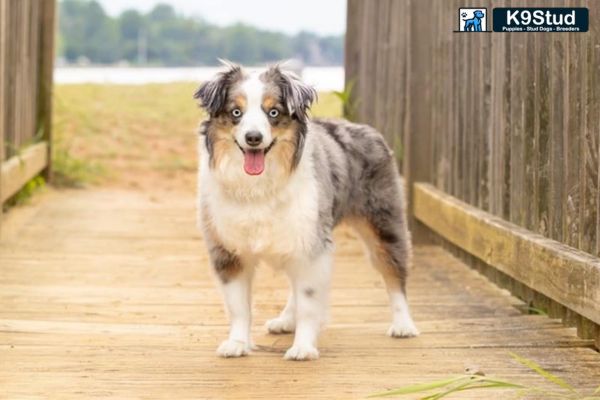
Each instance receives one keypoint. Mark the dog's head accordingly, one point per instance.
(478, 14)
(256, 118)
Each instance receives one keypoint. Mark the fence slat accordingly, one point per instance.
(3, 49)
(46, 68)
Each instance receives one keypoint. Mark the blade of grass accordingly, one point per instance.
(460, 383)
(420, 387)
(541, 371)
(475, 383)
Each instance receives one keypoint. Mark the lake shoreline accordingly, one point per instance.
(322, 78)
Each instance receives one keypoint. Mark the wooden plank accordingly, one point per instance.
(591, 179)
(46, 70)
(352, 53)
(564, 274)
(97, 285)
(396, 79)
(3, 62)
(401, 121)
(485, 150)
(558, 131)
(530, 153)
(542, 132)
(417, 137)
(18, 170)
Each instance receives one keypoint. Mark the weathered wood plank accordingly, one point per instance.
(591, 169)
(3, 97)
(530, 153)
(417, 137)
(19, 169)
(517, 203)
(46, 69)
(122, 280)
(564, 274)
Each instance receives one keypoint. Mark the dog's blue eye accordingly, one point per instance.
(273, 113)
(236, 112)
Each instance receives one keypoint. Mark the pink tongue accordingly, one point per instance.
(254, 162)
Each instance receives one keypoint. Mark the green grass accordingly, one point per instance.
(32, 187)
(555, 388)
(133, 135)
(349, 104)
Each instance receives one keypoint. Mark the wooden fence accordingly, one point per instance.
(499, 140)
(26, 65)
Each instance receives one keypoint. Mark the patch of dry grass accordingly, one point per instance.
(133, 136)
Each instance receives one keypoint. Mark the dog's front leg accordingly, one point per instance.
(310, 279)
(238, 301)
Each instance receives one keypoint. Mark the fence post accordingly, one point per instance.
(3, 45)
(46, 60)
(417, 158)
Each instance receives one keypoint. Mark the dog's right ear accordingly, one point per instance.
(212, 94)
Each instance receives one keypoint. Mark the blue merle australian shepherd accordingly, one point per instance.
(273, 185)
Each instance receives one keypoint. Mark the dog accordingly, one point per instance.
(273, 184)
(474, 24)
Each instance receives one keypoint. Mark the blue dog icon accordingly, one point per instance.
(474, 24)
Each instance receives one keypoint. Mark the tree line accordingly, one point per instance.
(163, 37)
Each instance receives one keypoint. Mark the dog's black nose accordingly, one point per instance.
(254, 138)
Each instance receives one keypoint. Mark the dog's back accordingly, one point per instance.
(358, 176)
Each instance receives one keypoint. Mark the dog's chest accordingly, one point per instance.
(276, 227)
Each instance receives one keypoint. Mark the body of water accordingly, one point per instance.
(322, 78)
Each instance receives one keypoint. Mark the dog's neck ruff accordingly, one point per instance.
(243, 188)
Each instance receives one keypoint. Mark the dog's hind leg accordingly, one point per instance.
(383, 229)
(286, 321)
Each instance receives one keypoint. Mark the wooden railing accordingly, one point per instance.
(26, 66)
(491, 127)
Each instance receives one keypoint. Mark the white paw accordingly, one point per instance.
(404, 330)
(301, 353)
(281, 325)
(233, 348)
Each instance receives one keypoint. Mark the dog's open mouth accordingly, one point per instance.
(254, 160)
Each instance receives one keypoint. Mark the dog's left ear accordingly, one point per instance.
(297, 95)
(213, 94)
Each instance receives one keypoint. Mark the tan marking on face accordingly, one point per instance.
(221, 135)
(269, 102)
(283, 152)
(240, 102)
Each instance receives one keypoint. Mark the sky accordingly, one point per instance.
(325, 17)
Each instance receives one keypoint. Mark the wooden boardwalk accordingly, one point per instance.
(108, 294)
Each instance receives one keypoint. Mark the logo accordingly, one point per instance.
(472, 19)
(541, 19)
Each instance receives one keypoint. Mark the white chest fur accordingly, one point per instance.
(282, 223)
